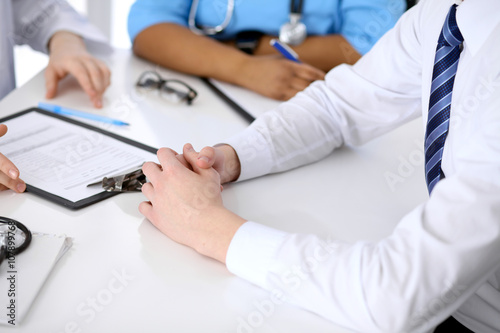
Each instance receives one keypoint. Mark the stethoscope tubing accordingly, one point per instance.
(210, 31)
(4, 249)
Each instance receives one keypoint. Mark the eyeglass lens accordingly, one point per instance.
(175, 91)
(149, 81)
(172, 90)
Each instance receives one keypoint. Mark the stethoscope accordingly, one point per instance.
(15, 237)
(293, 32)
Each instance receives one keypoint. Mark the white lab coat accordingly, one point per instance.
(443, 258)
(33, 22)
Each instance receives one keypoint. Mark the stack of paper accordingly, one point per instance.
(22, 278)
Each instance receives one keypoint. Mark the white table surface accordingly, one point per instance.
(171, 287)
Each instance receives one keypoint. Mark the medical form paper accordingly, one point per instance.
(57, 156)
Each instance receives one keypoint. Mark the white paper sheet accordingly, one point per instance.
(62, 158)
(22, 277)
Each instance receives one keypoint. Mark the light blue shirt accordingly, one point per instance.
(361, 22)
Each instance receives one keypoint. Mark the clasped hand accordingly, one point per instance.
(185, 201)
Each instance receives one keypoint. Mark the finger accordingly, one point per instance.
(106, 80)
(8, 168)
(152, 171)
(97, 79)
(188, 150)
(3, 130)
(183, 161)
(83, 77)
(51, 80)
(148, 190)
(299, 84)
(96, 76)
(168, 159)
(3, 187)
(191, 157)
(206, 158)
(16, 185)
(288, 93)
(105, 72)
(21, 186)
(308, 72)
(146, 209)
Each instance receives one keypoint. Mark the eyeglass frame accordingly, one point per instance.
(5, 252)
(190, 96)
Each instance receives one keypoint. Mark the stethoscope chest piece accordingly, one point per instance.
(293, 32)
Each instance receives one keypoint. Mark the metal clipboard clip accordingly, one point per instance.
(128, 182)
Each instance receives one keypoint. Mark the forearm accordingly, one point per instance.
(217, 231)
(176, 47)
(323, 52)
(64, 40)
(378, 287)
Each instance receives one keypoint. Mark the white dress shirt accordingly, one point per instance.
(443, 258)
(33, 22)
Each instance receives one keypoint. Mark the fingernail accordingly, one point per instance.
(204, 158)
(21, 187)
(13, 173)
(190, 148)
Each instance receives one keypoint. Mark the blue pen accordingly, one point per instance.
(69, 112)
(285, 50)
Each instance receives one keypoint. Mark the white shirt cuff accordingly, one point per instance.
(255, 156)
(252, 252)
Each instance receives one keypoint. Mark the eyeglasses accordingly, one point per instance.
(173, 90)
(14, 238)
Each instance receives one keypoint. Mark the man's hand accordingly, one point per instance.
(9, 174)
(186, 204)
(68, 55)
(222, 158)
(277, 78)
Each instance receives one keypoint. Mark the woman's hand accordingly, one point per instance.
(9, 174)
(68, 55)
(277, 78)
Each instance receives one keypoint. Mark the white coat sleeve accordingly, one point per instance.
(35, 22)
(347, 108)
(439, 254)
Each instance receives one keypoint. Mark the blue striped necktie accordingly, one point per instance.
(443, 77)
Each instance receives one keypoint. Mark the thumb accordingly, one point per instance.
(206, 158)
(191, 157)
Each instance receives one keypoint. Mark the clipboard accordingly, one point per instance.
(84, 202)
(247, 103)
(247, 116)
